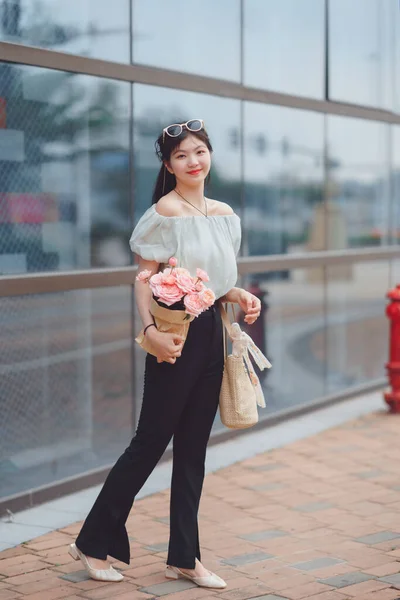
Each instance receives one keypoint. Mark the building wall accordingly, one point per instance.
(78, 121)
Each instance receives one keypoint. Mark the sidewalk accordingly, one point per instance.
(318, 518)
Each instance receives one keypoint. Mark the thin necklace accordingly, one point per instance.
(205, 203)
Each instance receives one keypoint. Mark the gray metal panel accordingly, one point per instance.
(39, 57)
(41, 283)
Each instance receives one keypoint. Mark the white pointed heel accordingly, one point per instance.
(73, 551)
(99, 574)
(170, 574)
(211, 581)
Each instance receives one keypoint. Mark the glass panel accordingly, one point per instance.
(188, 36)
(278, 54)
(291, 333)
(396, 70)
(64, 170)
(357, 328)
(85, 27)
(154, 108)
(361, 52)
(283, 171)
(394, 273)
(357, 183)
(395, 199)
(65, 385)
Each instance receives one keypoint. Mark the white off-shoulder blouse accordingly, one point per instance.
(210, 243)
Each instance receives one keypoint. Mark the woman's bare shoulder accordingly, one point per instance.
(167, 206)
(219, 208)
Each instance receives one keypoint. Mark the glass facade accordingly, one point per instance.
(84, 27)
(64, 170)
(358, 201)
(276, 48)
(283, 174)
(65, 384)
(362, 51)
(313, 170)
(185, 36)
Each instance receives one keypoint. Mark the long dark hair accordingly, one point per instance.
(166, 181)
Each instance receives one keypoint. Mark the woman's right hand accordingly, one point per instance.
(168, 346)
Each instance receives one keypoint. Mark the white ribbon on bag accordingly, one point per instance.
(242, 344)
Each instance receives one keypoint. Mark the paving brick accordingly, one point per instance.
(314, 507)
(377, 538)
(356, 591)
(73, 598)
(20, 569)
(149, 580)
(132, 595)
(136, 572)
(346, 579)
(385, 569)
(262, 535)
(30, 577)
(54, 594)
(270, 597)
(107, 591)
(304, 591)
(330, 596)
(318, 563)
(43, 584)
(16, 560)
(254, 591)
(270, 467)
(267, 487)
(168, 587)
(370, 474)
(191, 594)
(287, 581)
(9, 595)
(388, 594)
(277, 526)
(163, 547)
(76, 576)
(245, 559)
(392, 579)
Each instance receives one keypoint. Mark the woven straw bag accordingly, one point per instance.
(241, 390)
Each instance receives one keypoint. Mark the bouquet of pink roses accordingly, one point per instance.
(175, 283)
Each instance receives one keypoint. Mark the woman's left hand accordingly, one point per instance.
(250, 305)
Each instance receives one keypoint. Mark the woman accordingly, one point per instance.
(182, 384)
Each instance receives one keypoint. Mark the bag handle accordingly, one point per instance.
(227, 325)
(225, 319)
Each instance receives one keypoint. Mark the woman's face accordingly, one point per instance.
(190, 162)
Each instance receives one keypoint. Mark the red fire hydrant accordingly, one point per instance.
(393, 366)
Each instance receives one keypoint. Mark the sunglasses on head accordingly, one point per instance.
(176, 129)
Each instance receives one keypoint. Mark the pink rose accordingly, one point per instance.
(169, 294)
(169, 279)
(193, 304)
(181, 271)
(208, 297)
(173, 261)
(185, 283)
(155, 279)
(143, 275)
(200, 286)
(202, 275)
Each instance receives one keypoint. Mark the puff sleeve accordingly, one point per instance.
(154, 237)
(235, 230)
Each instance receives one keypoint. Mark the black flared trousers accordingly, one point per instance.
(179, 400)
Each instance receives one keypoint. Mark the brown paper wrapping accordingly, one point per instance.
(171, 321)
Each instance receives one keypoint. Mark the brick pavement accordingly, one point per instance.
(317, 519)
